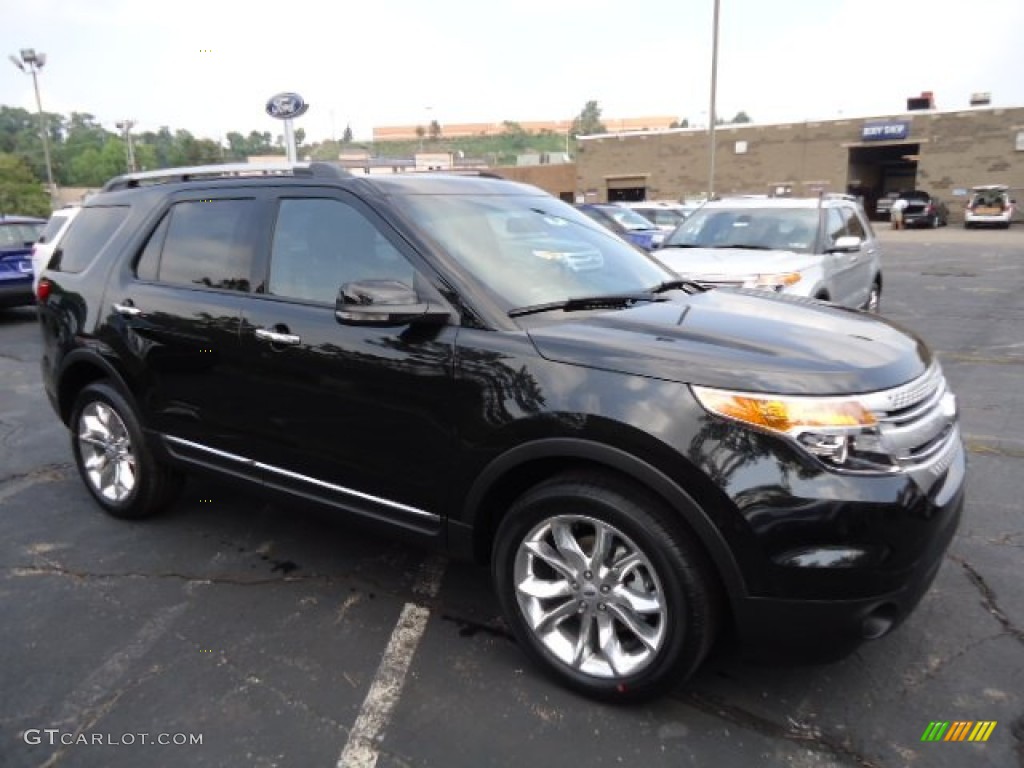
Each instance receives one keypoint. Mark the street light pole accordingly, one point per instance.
(125, 126)
(35, 61)
(712, 113)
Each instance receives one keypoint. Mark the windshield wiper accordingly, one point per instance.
(679, 285)
(609, 301)
(741, 247)
(681, 245)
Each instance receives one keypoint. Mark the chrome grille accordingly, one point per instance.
(917, 422)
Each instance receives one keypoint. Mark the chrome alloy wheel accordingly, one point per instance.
(874, 299)
(106, 451)
(590, 596)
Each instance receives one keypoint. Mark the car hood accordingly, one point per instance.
(732, 262)
(743, 340)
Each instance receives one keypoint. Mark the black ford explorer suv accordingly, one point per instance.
(470, 362)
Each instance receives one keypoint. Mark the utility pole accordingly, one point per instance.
(125, 126)
(712, 113)
(34, 62)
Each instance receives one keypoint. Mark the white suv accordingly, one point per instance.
(989, 205)
(47, 243)
(822, 248)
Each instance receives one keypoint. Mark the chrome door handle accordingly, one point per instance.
(127, 309)
(277, 338)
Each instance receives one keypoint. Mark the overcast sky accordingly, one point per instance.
(411, 61)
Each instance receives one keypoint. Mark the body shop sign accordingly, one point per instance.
(885, 130)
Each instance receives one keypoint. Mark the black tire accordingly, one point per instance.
(108, 453)
(669, 569)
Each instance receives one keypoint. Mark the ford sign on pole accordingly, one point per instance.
(287, 106)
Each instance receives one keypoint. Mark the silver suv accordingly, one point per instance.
(822, 248)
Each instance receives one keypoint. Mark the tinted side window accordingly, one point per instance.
(210, 244)
(320, 244)
(853, 224)
(149, 260)
(89, 234)
(52, 228)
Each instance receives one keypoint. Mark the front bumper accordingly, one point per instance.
(821, 610)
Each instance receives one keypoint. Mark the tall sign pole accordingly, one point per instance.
(712, 115)
(286, 107)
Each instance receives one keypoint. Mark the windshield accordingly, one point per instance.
(784, 229)
(627, 219)
(532, 249)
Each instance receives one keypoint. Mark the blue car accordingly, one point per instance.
(627, 224)
(17, 235)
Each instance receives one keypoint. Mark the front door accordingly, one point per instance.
(356, 415)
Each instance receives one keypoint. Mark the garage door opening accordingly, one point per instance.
(877, 170)
(627, 189)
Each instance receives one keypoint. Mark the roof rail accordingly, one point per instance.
(224, 171)
(839, 196)
(482, 173)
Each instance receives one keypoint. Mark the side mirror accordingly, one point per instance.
(845, 244)
(385, 302)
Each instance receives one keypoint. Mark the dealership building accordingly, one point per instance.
(945, 152)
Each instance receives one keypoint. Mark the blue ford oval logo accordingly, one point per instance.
(286, 105)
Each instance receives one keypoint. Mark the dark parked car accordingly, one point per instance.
(17, 234)
(924, 210)
(475, 365)
(627, 224)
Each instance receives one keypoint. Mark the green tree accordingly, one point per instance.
(588, 121)
(300, 136)
(346, 137)
(684, 123)
(741, 117)
(435, 130)
(20, 190)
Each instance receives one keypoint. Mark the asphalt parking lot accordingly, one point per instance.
(282, 637)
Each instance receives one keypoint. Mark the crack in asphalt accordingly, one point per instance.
(54, 569)
(807, 736)
(913, 678)
(988, 598)
(45, 472)
(984, 448)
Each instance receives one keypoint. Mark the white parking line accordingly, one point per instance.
(361, 749)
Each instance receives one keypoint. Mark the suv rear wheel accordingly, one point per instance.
(112, 456)
(602, 590)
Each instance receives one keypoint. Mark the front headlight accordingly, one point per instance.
(777, 282)
(839, 431)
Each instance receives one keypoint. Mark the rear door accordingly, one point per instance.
(175, 312)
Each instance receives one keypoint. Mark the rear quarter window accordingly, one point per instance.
(89, 234)
(53, 226)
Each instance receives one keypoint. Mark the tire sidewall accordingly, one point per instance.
(680, 651)
(105, 393)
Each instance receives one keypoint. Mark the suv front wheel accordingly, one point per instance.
(602, 589)
(112, 456)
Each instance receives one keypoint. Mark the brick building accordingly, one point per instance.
(943, 152)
